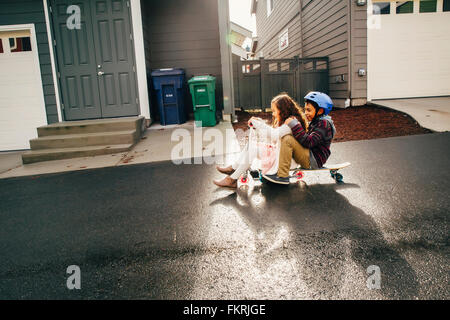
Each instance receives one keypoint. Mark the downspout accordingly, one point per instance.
(348, 102)
(301, 29)
(226, 61)
(53, 60)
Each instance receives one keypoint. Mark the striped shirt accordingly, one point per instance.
(318, 138)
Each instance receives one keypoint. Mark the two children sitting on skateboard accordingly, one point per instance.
(309, 147)
(290, 142)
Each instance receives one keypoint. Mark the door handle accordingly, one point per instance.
(100, 73)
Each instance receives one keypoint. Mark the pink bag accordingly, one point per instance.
(267, 156)
(264, 151)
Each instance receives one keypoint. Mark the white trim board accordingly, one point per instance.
(139, 51)
(53, 61)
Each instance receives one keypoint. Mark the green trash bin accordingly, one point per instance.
(203, 92)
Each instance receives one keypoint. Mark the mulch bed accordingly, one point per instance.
(354, 123)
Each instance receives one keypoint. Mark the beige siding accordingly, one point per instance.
(336, 29)
(285, 15)
(358, 53)
(326, 34)
(186, 38)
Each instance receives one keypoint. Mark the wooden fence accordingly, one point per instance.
(256, 82)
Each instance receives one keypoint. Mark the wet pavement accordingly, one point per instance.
(162, 231)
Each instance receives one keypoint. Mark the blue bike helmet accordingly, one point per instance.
(322, 100)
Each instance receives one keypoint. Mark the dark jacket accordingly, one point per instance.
(318, 139)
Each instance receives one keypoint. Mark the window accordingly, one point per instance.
(20, 44)
(405, 6)
(269, 7)
(1, 45)
(428, 5)
(381, 8)
(446, 5)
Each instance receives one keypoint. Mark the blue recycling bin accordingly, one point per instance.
(169, 85)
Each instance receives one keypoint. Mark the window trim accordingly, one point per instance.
(30, 32)
(280, 36)
(393, 9)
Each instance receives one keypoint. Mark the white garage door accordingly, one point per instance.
(408, 49)
(22, 107)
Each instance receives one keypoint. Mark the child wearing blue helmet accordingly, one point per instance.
(310, 148)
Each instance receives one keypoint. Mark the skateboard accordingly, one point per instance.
(297, 174)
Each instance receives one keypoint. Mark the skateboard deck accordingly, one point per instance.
(298, 173)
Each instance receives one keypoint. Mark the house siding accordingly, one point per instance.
(285, 15)
(186, 38)
(320, 28)
(326, 33)
(358, 53)
(27, 12)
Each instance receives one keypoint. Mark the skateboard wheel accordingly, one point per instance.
(299, 175)
(339, 177)
(244, 180)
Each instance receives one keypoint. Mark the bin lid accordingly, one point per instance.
(202, 79)
(167, 72)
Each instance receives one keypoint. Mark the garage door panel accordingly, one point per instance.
(22, 106)
(408, 56)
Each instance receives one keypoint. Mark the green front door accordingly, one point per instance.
(95, 62)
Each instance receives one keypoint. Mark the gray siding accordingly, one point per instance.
(186, 38)
(27, 12)
(320, 28)
(358, 53)
(326, 34)
(285, 15)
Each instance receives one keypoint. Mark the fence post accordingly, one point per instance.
(263, 70)
(297, 78)
(240, 81)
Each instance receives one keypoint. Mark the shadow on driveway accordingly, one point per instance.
(333, 242)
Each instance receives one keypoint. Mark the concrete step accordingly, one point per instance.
(85, 139)
(68, 153)
(92, 126)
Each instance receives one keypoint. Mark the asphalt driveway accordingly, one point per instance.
(161, 231)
